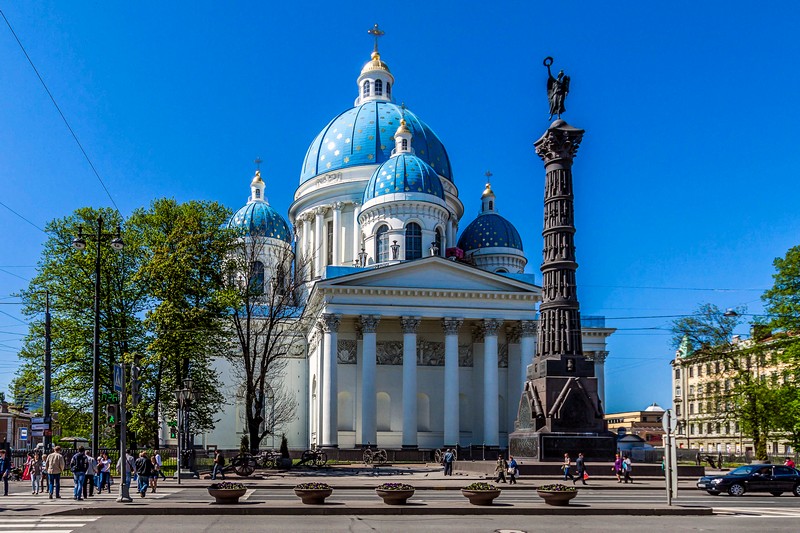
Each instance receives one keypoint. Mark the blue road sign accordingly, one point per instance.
(118, 378)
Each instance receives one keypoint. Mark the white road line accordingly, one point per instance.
(247, 494)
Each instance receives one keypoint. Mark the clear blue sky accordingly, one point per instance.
(685, 182)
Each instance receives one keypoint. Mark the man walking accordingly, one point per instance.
(219, 465)
(78, 466)
(626, 469)
(160, 466)
(580, 468)
(144, 469)
(449, 457)
(91, 472)
(500, 469)
(5, 469)
(126, 469)
(54, 465)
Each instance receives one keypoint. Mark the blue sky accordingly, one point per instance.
(685, 182)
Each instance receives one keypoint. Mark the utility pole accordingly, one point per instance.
(48, 438)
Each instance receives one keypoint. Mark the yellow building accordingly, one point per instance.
(644, 424)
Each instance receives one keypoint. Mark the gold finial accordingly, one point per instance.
(488, 190)
(257, 177)
(376, 32)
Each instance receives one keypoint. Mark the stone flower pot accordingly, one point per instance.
(480, 497)
(556, 497)
(226, 496)
(395, 497)
(313, 496)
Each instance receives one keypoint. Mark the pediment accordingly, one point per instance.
(432, 273)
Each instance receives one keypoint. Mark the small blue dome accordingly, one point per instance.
(364, 135)
(405, 173)
(490, 230)
(260, 219)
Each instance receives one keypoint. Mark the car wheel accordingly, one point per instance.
(736, 490)
(796, 490)
(713, 492)
(776, 493)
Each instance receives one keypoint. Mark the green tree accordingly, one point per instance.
(708, 334)
(183, 274)
(68, 275)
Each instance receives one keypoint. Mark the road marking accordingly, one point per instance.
(247, 494)
(44, 524)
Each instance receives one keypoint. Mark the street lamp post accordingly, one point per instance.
(185, 397)
(79, 243)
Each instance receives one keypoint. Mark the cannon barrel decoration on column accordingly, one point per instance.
(560, 411)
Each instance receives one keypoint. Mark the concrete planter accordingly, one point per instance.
(480, 497)
(395, 497)
(226, 496)
(556, 497)
(313, 496)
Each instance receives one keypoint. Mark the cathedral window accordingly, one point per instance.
(257, 278)
(378, 88)
(330, 242)
(388, 89)
(404, 144)
(439, 242)
(365, 89)
(382, 244)
(413, 241)
(258, 194)
(501, 271)
(491, 205)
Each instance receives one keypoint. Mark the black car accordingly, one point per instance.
(775, 479)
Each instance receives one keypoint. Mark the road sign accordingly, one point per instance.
(669, 421)
(39, 427)
(23, 433)
(35, 433)
(37, 420)
(118, 378)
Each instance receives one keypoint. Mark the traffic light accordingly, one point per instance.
(112, 414)
(173, 430)
(135, 385)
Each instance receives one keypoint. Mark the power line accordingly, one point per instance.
(20, 216)
(713, 289)
(12, 274)
(64, 118)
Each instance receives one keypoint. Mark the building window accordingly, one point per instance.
(691, 408)
(691, 371)
(365, 89)
(378, 88)
(413, 241)
(677, 392)
(716, 367)
(388, 89)
(258, 194)
(404, 144)
(699, 371)
(678, 410)
(440, 242)
(257, 278)
(691, 390)
(382, 244)
(330, 242)
(677, 373)
(691, 429)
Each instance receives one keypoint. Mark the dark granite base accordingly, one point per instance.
(553, 446)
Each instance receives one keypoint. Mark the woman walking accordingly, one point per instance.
(500, 469)
(105, 472)
(512, 470)
(154, 477)
(565, 468)
(617, 468)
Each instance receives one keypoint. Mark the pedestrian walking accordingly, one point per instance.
(54, 465)
(154, 477)
(105, 472)
(35, 470)
(160, 464)
(617, 468)
(5, 469)
(580, 469)
(500, 469)
(565, 466)
(91, 475)
(219, 465)
(512, 470)
(449, 458)
(626, 469)
(78, 466)
(144, 469)
(789, 462)
(128, 470)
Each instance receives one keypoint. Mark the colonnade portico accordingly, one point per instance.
(448, 381)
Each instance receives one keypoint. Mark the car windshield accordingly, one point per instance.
(745, 470)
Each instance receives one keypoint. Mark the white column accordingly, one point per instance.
(317, 249)
(451, 385)
(306, 237)
(356, 230)
(515, 370)
(491, 410)
(369, 418)
(330, 389)
(337, 233)
(410, 325)
(476, 392)
(599, 359)
(527, 345)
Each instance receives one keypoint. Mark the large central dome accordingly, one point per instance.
(364, 135)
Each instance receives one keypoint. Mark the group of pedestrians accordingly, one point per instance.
(505, 468)
(580, 469)
(622, 468)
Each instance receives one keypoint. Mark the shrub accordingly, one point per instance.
(395, 486)
(312, 486)
(557, 487)
(480, 487)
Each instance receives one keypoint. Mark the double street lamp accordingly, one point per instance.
(185, 397)
(79, 243)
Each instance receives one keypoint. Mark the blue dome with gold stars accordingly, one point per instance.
(259, 219)
(364, 135)
(405, 173)
(490, 230)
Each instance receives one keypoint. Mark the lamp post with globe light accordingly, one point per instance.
(185, 397)
(79, 243)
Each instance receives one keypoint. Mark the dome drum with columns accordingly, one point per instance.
(410, 349)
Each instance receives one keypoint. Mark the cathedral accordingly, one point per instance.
(422, 324)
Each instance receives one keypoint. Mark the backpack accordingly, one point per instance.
(221, 460)
(78, 463)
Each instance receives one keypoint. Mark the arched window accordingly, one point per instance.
(258, 193)
(382, 244)
(404, 144)
(413, 241)
(491, 205)
(378, 88)
(388, 89)
(365, 88)
(383, 408)
(423, 412)
(501, 271)
(440, 242)
(257, 278)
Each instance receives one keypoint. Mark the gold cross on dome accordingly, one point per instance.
(488, 176)
(376, 32)
(258, 162)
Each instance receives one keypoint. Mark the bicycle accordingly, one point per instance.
(375, 457)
